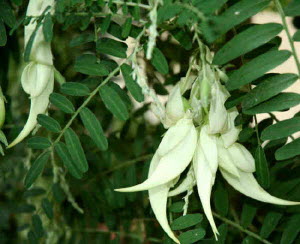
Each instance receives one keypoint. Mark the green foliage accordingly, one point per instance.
(97, 135)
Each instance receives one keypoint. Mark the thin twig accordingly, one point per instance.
(239, 227)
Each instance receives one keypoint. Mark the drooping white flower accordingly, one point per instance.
(174, 154)
(38, 76)
(244, 181)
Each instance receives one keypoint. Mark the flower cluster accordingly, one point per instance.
(38, 75)
(201, 135)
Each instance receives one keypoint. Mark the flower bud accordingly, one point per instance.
(217, 111)
(232, 133)
(175, 107)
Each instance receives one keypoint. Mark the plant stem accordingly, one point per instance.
(286, 29)
(92, 94)
(239, 227)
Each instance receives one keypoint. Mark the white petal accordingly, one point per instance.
(158, 199)
(241, 157)
(225, 160)
(205, 179)
(35, 78)
(188, 183)
(248, 185)
(171, 165)
(174, 107)
(217, 111)
(175, 135)
(209, 146)
(233, 131)
(38, 106)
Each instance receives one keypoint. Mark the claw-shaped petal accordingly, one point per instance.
(38, 105)
(174, 160)
(158, 199)
(232, 134)
(204, 157)
(187, 184)
(248, 185)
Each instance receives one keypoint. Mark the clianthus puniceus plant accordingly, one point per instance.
(201, 133)
(97, 72)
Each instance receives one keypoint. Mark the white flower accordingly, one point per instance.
(38, 75)
(174, 154)
(244, 181)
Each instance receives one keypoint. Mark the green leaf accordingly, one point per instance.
(261, 64)
(262, 169)
(47, 27)
(280, 102)
(29, 44)
(75, 149)
(32, 239)
(105, 24)
(37, 226)
(112, 47)
(221, 200)
(248, 214)
(289, 150)
(246, 134)
(3, 37)
(62, 151)
(61, 102)
(159, 61)
(36, 169)
(268, 88)
(186, 221)
(291, 230)
(223, 230)
(177, 207)
(131, 84)
(75, 89)
(296, 36)
(293, 9)
(270, 222)
(168, 11)
(94, 128)
(82, 39)
(38, 142)
(126, 28)
(113, 102)
(192, 236)
(281, 129)
(234, 15)
(6, 14)
(86, 64)
(33, 192)
(49, 123)
(208, 7)
(47, 207)
(183, 38)
(246, 41)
